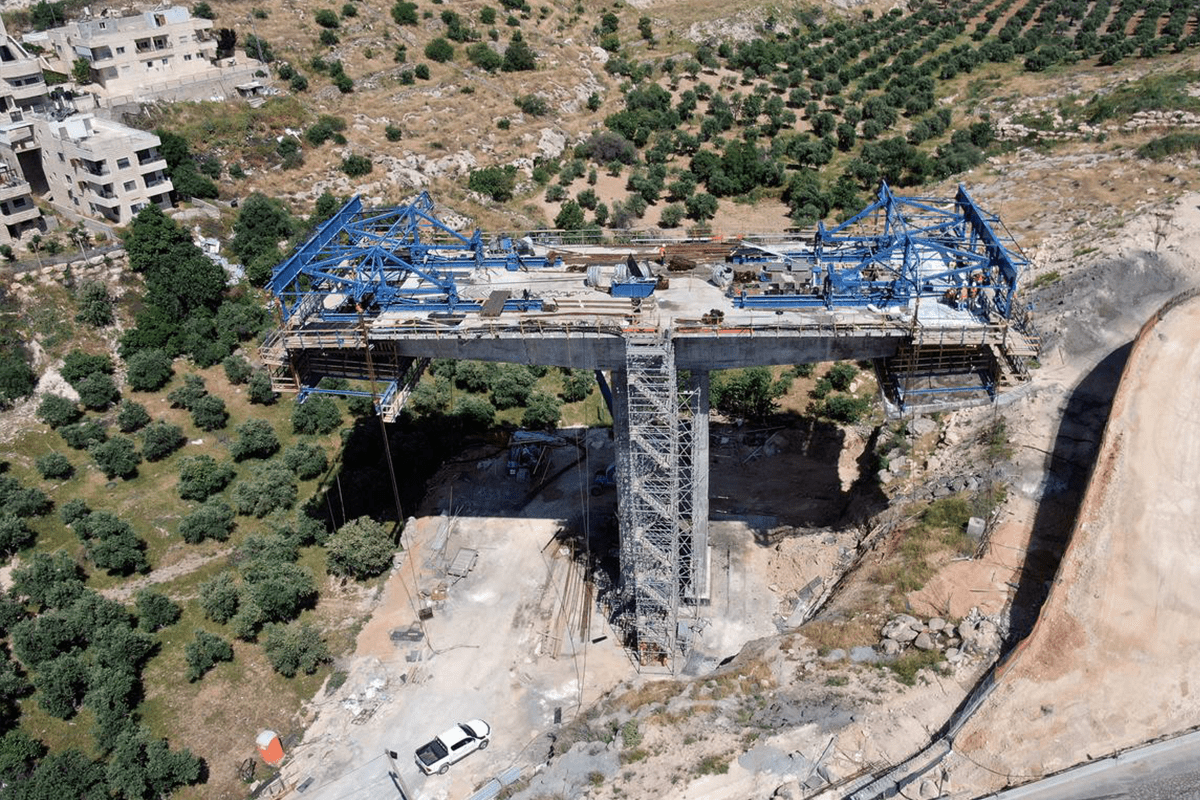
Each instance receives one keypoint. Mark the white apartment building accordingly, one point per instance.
(163, 53)
(21, 88)
(99, 168)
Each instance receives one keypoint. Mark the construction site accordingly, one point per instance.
(925, 289)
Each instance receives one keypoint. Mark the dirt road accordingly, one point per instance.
(1110, 662)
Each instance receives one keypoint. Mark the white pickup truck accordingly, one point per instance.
(453, 745)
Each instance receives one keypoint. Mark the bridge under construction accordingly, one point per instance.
(924, 287)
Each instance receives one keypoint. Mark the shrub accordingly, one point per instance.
(155, 610)
(237, 369)
(295, 648)
(97, 391)
(131, 416)
(475, 413)
(202, 476)
(271, 487)
(671, 216)
(95, 305)
(306, 460)
(280, 588)
(393, 132)
(841, 375)
(160, 439)
(542, 411)
(512, 386)
(439, 50)
(356, 165)
(422, 71)
(209, 414)
(256, 439)
(54, 465)
(78, 365)
(326, 18)
(57, 411)
(532, 105)
(117, 457)
(362, 548)
(316, 415)
(484, 57)
(405, 13)
(189, 394)
(219, 597)
(82, 435)
(495, 182)
(213, 520)
(203, 653)
(148, 370)
(845, 408)
(260, 391)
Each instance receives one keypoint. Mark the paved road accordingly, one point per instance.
(1168, 771)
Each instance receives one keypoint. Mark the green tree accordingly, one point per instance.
(53, 466)
(116, 458)
(16, 376)
(256, 439)
(141, 767)
(362, 548)
(43, 15)
(271, 487)
(748, 393)
(19, 753)
(48, 580)
(439, 50)
(484, 57)
(203, 652)
(260, 391)
(495, 182)
(326, 18)
(78, 365)
(541, 411)
(280, 588)
(518, 57)
(95, 305)
(203, 10)
(317, 415)
(570, 217)
(190, 393)
(237, 369)
(131, 416)
(202, 476)
(61, 684)
(121, 553)
(148, 370)
(155, 610)
(219, 597)
(701, 206)
(577, 385)
(841, 375)
(512, 386)
(81, 71)
(15, 533)
(212, 520)
(306, 460)
(68, 773)
(82, 435)
(295, 648)
(160, 439)
(260, 226)
(97, 391)
(475, 413)
(405, 13)
(56, 410)
(209, 413)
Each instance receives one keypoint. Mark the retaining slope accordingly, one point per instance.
(1111, 660)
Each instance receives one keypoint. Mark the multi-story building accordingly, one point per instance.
(21, 88)
(164, 53)
(100, 168)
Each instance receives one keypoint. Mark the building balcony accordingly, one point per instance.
(101, 197)
(20, 215)
(154, 181)
(151, 162)
(11, 190)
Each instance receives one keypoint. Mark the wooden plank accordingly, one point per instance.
(495, 303)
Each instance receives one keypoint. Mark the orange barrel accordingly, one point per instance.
(270, 748)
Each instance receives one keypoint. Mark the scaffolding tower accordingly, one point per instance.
(657, 468)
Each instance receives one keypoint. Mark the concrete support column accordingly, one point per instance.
(620, 411)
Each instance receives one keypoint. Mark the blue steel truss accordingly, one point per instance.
(385, 258)
(896, 250)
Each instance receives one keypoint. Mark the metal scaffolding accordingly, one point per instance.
(657, 469)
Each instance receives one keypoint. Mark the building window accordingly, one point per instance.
(62, 158)
(122, 163)
(130, 185)
(120, 51)
(164, 61)
(187, 56)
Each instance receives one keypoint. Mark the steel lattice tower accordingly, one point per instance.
(657, 470)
